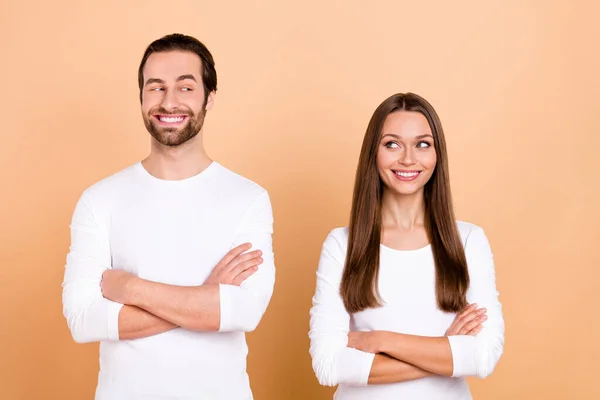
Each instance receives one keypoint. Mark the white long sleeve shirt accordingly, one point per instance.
(407, 288)
(172, 232)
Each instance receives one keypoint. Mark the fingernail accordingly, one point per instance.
(474, 305)
(483, 317)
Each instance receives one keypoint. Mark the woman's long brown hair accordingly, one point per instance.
(359, 288)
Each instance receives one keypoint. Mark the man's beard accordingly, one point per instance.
(174, 136)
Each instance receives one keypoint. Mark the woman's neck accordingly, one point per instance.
(402, 211)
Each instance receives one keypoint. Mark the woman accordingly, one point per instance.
(406, 304)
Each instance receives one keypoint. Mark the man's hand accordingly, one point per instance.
(370, 342)
(235, 267)
(116, 285)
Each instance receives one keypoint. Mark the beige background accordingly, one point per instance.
(516, 86)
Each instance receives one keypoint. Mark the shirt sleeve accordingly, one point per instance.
(478, 355)
(333, 362)
(90, 317)
(242, 307)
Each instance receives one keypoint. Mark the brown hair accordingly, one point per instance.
(177, 41)
(359, 288)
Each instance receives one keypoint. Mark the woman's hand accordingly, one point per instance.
(468, 322)
(370, 342)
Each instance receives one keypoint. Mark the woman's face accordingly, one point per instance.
(406, 157)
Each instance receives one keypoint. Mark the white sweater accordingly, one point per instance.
(172, 232)
(407, 288)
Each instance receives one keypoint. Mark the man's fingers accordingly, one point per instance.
(241, 267)
(232, 254)
(242, 276)
(243, 258)
(237, 265)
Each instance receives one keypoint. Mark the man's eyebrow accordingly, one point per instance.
(153, 80)
(187, 76)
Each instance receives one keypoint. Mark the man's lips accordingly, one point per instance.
(171, 119)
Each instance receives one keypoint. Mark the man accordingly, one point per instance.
(160, 269)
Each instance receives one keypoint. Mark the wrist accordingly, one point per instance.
(132, 291)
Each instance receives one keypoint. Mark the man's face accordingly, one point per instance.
(173, 105)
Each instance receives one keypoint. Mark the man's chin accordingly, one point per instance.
(172, 137)
(161, 130)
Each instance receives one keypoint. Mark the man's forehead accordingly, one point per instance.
(172, 64)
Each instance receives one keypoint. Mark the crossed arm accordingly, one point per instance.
(471, 346)
(400, 357)
(152, 307)
(135, 323)
(101, 303)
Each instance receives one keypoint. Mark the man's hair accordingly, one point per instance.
(177, 41)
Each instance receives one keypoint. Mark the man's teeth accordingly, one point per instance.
(171, 119)
(407, 174)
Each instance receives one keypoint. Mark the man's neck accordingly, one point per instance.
(177, 163)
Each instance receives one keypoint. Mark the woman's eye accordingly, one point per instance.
(392, 145)
(423, 144)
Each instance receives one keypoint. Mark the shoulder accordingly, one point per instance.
(333, 254)
(474, 239)
(466, 229)
(336, 242)
(230, 181)
(241, 196)
(110, 186)
(338, 235)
